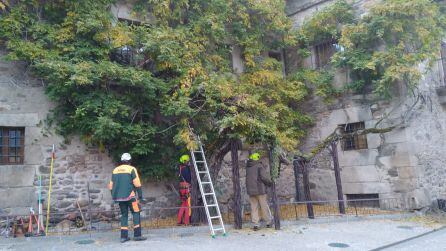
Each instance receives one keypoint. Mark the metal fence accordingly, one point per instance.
(330, 208)
(153, 218)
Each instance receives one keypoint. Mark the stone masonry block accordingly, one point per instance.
(360, 174)
(364, 157)
(24, 119)
(400, 160)
(17, 176)
(361, 188)
(22, 197)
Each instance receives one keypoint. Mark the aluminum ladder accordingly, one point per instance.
(210, 202)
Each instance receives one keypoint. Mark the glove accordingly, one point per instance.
(142, 200)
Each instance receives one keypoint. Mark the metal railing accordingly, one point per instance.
(330, 208)
(155, 218)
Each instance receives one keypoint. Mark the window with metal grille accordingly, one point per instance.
(363, 200)
(323, 53)
(353, 142)
(12, 141)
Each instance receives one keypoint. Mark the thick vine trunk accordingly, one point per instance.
(307, 193)
(198, 214)
(337, 171)
(296, 180)
(237, 206)
(217, 159)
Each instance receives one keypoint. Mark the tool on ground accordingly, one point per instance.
(18, 228)
(80, 224)
(210, 202)
(6, 231)
(33, 217)
(53, 156)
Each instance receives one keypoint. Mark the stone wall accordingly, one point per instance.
(406, 163)
(23, 103)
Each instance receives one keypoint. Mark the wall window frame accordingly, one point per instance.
(12, 145)
(353, 142)
(323, 52)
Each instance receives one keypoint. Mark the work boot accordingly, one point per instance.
(140, 238)
(124, 239)
(124, 235)
(137, 235)
(255, 228)
(269, 225)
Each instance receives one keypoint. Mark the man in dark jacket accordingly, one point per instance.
(123, 185)
(256, 179)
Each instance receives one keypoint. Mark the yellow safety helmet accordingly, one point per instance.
(254, 156)
(185, 158)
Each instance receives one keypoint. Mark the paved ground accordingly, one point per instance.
(431, 241)
(358, 235)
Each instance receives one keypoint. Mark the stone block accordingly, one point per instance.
(360, 174)
(395, 136)
(361, 188)
(403, 185)
(17, 175)
(18, 197)
(365, 157)
(400, 160)
(373, 141)
(23, 119)
(407, 172)
(350, 115)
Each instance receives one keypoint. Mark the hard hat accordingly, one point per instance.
(254, 156)
(185, 158)
(126, 157)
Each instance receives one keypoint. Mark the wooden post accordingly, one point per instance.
(337, 171)
(304, 165)
(235, 144)
(276, 207)
(296, 179)
(274, 199)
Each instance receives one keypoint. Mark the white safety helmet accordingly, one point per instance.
(126, 157)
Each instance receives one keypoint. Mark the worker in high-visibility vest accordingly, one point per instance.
(125, 187)
(184, 212)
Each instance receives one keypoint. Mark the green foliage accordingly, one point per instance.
(382, 48)
(178, 71)
(180, 74)
(327, 23)
(388, 44)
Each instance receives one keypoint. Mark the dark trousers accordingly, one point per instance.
(134, 208)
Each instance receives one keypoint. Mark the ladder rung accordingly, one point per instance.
(206, 194)
(206, 182)
(197, 152)
(212, 205)
(218, 229)
(202, 172)
(215, 217)
(199, 161)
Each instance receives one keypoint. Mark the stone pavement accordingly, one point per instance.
(365, 234)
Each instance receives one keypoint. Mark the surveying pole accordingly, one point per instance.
(53, 156)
